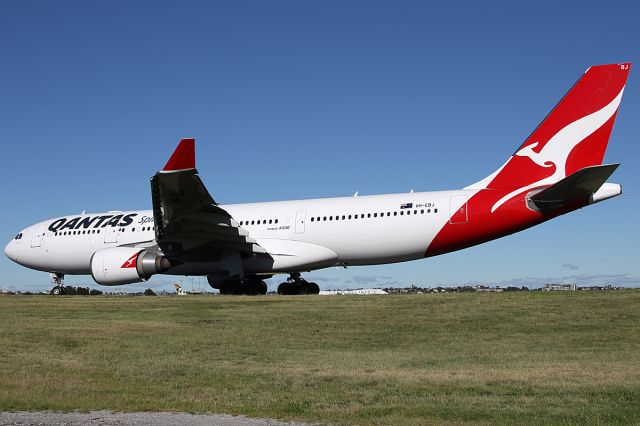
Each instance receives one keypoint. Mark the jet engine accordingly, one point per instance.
(126, 265)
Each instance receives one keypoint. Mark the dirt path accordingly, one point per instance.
(123, 419)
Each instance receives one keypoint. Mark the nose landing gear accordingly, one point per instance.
(58, 281)
(295, 284)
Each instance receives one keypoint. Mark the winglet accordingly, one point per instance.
(183, 158)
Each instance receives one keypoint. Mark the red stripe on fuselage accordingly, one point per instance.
(483, 226)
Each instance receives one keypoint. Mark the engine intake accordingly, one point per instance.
(126, 265)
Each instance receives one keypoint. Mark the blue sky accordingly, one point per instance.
(295, 100)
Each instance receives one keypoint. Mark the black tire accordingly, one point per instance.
(57, 291)
(230, 287)
(309, 288)
(263, 288)
(313, 288)
(251, 287)
(287, 289)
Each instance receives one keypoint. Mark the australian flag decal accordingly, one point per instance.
(406, 206)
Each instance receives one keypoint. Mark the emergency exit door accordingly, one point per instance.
(300, 218)
(458, 209)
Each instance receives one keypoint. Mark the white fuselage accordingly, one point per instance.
(299, 235)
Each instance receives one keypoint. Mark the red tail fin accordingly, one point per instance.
(183, 158)
(574, 135)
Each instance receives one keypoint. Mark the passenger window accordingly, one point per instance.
(408, 212)
(311, 219)
(324, 218)
(415, 212)
(362, 216)
(395, 213)
(375, 215)
(349, 216)
(369, 215)
(401, 213)
(330, 217)
(271, 221)
(428, 210)
(435, 210)
(276, 220)
(421, 211)
(343, 217)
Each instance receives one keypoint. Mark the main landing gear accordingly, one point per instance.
(57, 279)
(295, 284)
(250, 287)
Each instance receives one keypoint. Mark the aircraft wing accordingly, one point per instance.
(189, 224)
(576, 188)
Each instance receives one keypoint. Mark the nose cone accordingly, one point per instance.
(11, 251)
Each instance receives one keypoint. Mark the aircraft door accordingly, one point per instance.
(458, 209)
(111, 235)
(300, 218)
(36, 239)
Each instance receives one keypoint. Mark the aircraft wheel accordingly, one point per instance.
(287, 289)
(309, 288)
(230, 287)
(251, 287)
(263, 288)
(57, 291)
(313, 288)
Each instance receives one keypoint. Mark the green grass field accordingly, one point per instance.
(563, 357)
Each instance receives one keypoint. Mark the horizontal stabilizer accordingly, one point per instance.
(576, 188)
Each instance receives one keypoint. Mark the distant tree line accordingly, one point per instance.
(458, 289)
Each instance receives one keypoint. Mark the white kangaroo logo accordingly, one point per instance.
(556, 151)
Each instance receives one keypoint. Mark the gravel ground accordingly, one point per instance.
(111, 418)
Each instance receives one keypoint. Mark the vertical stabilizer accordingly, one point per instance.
(573, 136)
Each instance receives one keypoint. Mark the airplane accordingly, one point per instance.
(558, 169)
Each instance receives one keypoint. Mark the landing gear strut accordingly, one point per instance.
(58, 280)
(295, 284)
(250, 287)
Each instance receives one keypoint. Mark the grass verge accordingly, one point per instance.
(563, 357)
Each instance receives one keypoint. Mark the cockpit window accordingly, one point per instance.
(18, 237)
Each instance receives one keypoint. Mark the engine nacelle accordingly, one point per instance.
(126, 265)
